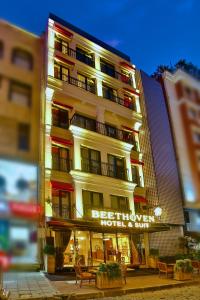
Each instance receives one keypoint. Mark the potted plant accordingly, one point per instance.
(49, 259)
(183, 269)
(153, 258)
(109, 276)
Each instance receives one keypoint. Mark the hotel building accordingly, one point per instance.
(98, 186)
(20, 82)
(182, 93)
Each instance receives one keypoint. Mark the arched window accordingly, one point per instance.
(22, 58)
(1, 49)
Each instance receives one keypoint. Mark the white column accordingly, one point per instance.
(78, 200)
(131, 203)
(77, 154)
(128, 166)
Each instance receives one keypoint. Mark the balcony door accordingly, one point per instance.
(116, 167)
(91, 160)
(91, 200)
(61, 205)
(60, 72)
(135, 175)
(60, 117)
(60, 159)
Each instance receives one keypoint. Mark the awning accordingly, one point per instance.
(58, 185)
(63, 105)
(64, 60)
(137, 162)
(63, 31)
(61, 141)
(139, 199)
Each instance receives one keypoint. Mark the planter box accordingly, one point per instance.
(103, 282)
(50, 264)
(153, 262)
(182, 276)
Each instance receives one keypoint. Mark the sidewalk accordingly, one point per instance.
(32, 285)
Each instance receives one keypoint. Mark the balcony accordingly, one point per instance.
(71, 80)
(124, 102)
(61, 211)
(61, 164)
(104, 169)
(104, 129)
(83, 57)
(105, 68)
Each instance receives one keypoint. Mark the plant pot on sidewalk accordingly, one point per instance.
(183, 270)
(49, 259)
(109, 276)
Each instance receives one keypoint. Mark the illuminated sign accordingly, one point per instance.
(123, 220)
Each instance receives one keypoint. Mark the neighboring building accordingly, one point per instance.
(20, 94)
(93, 185)
(183, 101)
(167, 177)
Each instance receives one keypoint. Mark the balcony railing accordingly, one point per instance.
(71, 80)
(60, 211)
(75, 54)
(89, 61)
(104, 169)
(118, 100)
(61, 164)
(101, 128)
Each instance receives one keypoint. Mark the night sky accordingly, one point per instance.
(151, 32)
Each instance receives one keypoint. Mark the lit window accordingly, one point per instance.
(20, 93)
(22, 58)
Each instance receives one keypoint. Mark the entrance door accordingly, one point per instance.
(124, 248)
(110, 247)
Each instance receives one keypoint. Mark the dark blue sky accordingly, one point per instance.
(152, 32)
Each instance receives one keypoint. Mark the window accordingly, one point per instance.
(107, 68)
(23, 136)
(90, 160)
(60, 117)
(109, 93)
(20, 93)
(135, 175)
(84, 122)
(187, 216)
(129, 102)
(61, 204)
(1, 49)
(86, 83)
(22, 58)
(119, 203)
(85, 57)
(116, 167)
(61, 45)
(128, 137)
(126, 77)
(91, 200)
(60, 72)
(140, 208)
(60, 159)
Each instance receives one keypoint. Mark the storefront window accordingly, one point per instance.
(97, 248)
(110, 246)
(82, 248)
(124, 248)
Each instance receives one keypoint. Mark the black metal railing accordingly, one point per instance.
(75, 54)
(90, 61)
(104, 169)
(71, 80)
(112, 97)
(103, 129)
(61, 164)
(61, 211)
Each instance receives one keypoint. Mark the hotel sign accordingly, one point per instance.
(123, 220)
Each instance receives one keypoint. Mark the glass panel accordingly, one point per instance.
(124, 248)
(138, 249)
(65, 74)
(81, 81)
(87, 202)
(97, 248)
(97, 200)
(114, 202)
(82, 246)
(69, 251)
(110, 246)
(65, 204)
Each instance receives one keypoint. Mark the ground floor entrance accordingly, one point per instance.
(91, 248)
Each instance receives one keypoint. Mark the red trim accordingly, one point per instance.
(63, 31)
(63, 105)
(139, 199)
(130, 129)
(137, 162)
(66, 61)
(131, 91)
(27, 210)
(126, 65)
(57, 185)
(61, 141)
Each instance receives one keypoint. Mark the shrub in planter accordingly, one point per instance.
(109, 276)
(50, 264)
(183, 269)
